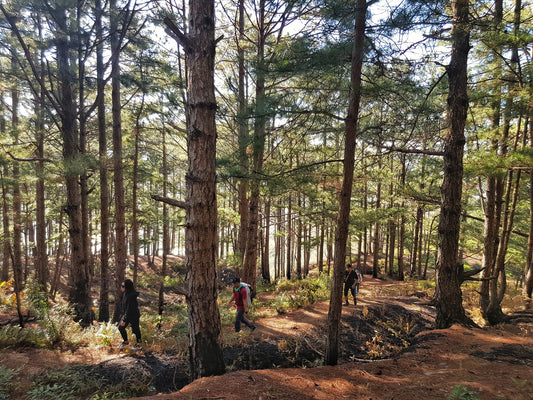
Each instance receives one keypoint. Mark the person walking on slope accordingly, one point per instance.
(350, 281)
(130, 314)
(241, 304)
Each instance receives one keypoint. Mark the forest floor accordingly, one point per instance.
(388, 350)
(458, 363)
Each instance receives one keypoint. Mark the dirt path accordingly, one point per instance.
(419, 363)
(315, 315)
(494, 363)
(475, 360)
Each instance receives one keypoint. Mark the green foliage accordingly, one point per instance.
(59, 326)
(300, 293)
(38, 299)
(426, 285)
(76, 383)
(17, 336)
(55, 323)
(171, 281)
(6, 375)
(463, 393)
(106, 332)
(148, 280)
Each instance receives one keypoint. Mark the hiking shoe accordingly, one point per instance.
(253, 328)
(122, 345)
(346, 304)
(136, 347)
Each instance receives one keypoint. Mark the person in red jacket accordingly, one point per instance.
(239, 297)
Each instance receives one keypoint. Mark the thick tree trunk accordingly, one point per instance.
(448, 296)
(205, 352)
(343, 217)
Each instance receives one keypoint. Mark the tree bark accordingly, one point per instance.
(205, 352)
(343, 216)
(16, 207)
(118, 171)
(166, 238)
(448, 296)
(41, 256)
(103, 314)
(250, 256)
(243, 141)
(528, 281)
(265, 257)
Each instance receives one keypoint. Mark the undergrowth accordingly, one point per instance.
(6, 375)
(71, 383)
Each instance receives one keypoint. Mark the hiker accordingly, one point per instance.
(350, 281)
(241, 304)
(359, 280)
(130, 314)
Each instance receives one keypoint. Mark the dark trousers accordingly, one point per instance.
(134, 329)
(239, 317)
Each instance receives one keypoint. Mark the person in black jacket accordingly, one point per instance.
(350, 281)
(130, 314)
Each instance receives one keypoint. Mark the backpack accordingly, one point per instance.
(249, 293)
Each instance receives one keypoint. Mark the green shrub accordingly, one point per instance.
(6, 375)
(463, 393)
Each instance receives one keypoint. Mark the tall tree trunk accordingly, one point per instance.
(343, 217)
(289, 238)
(4, 276)
(17, 206)
(265, 257)
(201, 203)
(82, 123)
(243, 141)
(299, 234)
(134, 190)
(250, 256)
(41, 256)
(118, 175)
(166, 239)
(103, 314)
(528, 281)
(79, 295)
(415, 253)
(376, 246)
(401, 233)
(493, 312)
(448, 296)
(492, 206)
